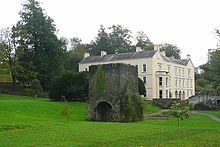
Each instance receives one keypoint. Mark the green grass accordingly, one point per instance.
(148, 108)
(5, 75)
(216, 113)
(25, 121)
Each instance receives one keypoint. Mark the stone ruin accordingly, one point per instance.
(108, 104)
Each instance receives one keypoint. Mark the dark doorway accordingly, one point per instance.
(104, 111)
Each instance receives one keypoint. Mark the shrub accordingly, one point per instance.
(141, 87)
(36, 87)
(73, 86)
(133, 107)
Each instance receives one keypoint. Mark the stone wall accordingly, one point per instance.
(121, 78)
(205, 101)
(165, 103)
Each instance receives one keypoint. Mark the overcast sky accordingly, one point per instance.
(189, 24)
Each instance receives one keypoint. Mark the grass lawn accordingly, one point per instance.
(25, 121)
(148, 108)
(216, 113)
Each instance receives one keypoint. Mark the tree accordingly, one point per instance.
(75, 54)
(8, 49)
(74, 86)
(36, 87)
(116, 39)
(178, 111)
(141, 87)
(143, 41)
(171, 50)
(42, 50)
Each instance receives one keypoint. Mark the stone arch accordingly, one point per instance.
(103, 111)
(180, 94)
(176, 94)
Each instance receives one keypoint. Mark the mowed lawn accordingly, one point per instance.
(25, 121)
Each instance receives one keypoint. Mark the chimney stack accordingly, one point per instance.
(103, 53)
(188, 56)
(138, 49)
(156, 47)
(86, 55)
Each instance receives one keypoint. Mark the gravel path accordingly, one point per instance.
(206, 114)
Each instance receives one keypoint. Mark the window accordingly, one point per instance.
(191, 84)
(160, 81)
(168, 68)
(179, 72)
(86, 69)
(176, 82)
(144, 67)
(179, 83)
(166, 81)
(189, 73)
(183, 73)
(167, 96)
(144, 80)
(176, 71)
(160, 93)
(183, 83)
(187, 83)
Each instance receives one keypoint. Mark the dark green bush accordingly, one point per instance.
(74, 86)
(141, 87)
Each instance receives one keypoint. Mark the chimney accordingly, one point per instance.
(138, 49)
(156, 47)
(103, 53)
(86, 55)
(188, 56)
(163, 53)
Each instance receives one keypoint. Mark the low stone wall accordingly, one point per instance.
(165, 103)
(206, 101)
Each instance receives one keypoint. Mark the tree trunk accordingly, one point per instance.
(178, 122)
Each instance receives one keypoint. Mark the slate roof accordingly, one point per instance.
(176, 61)
(116, 57)
(132, 55)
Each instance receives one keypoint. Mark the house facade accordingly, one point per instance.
(164, 77)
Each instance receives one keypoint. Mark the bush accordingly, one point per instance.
(141, 87)
(73, 86)
(133, 107)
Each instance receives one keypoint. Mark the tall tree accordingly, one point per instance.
(143, 41)
(171, 50)
(8, 49)
(41, 47)
(116, 39)
(75, 54)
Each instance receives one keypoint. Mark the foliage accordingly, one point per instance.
(171, 50)
(100, 82)
(24, 121)
(41, 52)
(133, 107)
(8, 50)
(75, 54)
(74, 86)
(141, 87)
(143, 41)
(36, 87)
(209, 80)
(116, 39)
(178, 111)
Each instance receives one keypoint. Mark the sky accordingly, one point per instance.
(188, 24)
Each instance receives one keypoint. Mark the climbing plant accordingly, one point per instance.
(100, 82)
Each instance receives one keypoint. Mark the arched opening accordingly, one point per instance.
(183, 95)
(180, 95)
(176, 94)
(104, 111)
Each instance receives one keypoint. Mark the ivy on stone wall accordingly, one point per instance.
(100, 83)
(133, 107)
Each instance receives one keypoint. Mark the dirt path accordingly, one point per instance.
(206, 114)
